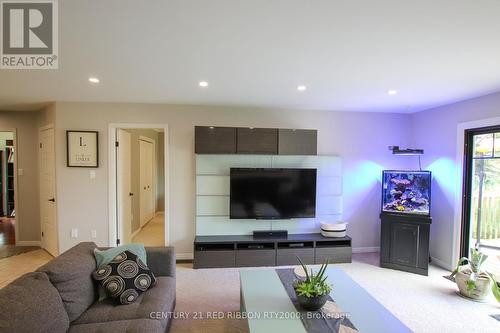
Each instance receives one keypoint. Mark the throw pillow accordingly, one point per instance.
(103, 257)
(125, 278)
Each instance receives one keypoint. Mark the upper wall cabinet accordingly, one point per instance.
(264, 141)
(297, 142)
(215, 140)
(257, 141)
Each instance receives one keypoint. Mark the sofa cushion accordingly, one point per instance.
(128, 326)
(125, 277)
(71, 275)
(32, 304)
(160, 299)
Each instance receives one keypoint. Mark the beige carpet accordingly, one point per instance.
(424, 304)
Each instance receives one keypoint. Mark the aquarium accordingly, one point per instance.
(406, 192)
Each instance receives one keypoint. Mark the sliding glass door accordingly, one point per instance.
(481, 213)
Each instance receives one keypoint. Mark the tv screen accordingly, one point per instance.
(272, 193)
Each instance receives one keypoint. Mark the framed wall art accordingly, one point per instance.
(82, 149)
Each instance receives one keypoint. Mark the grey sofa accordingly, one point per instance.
(62, 297)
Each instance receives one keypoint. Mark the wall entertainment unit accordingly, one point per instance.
(224, 242)
(247, 251)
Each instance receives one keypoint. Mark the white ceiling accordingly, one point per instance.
(348, 53)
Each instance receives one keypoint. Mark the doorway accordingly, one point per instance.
(481, 210)
(47, 174)
(7, 188)
(139, 172)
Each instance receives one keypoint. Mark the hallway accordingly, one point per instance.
(7, 231)
(153, 233)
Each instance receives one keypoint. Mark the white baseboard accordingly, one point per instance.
(28, 243)
(441, 263)
(365, 249)
(184, 256)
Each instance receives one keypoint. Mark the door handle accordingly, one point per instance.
(131, 194)
(52, 200)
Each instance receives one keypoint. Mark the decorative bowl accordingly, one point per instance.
(312, 303)
(338, 229)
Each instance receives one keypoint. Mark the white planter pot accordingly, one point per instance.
(482, 290)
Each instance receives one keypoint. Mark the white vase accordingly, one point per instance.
(482, 290)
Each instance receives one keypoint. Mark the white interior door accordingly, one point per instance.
(147, 204)
(47, 192)
(124, 186)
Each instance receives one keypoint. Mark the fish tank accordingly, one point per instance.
(406, 192)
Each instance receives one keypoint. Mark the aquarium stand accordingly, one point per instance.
(404, 242)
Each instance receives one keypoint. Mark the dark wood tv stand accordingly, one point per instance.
(247, 251)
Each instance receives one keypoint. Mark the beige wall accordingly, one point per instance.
(135, 170)
(436, 131)
(27, 206)
(361, 139)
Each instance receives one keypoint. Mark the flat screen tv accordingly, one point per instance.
(272, 193)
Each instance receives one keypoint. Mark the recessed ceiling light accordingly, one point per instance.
(301, 88)
(93, 80)
(392, 92)
(203, 84)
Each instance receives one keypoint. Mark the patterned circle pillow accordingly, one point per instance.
(125, 277)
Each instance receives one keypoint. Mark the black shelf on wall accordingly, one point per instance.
(255, 141)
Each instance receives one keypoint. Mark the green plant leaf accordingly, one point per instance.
(315, 284)
(471, 285)
(494, 288)
(460, 263)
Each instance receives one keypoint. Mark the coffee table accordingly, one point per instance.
(269, 309)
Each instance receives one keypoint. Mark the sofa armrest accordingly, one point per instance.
(161, 260)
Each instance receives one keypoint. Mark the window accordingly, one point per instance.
(481, 218)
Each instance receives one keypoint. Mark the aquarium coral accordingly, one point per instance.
(406, 192)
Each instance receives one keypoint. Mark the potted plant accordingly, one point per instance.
(472, 281)
(312, 292)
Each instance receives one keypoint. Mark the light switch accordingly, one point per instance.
(20, 172)
(92, 174)
(93, 233)
(74, 233)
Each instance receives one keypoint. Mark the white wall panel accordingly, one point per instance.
(212, 206)
(222, 225)
(329, 186)
(212, 185)
(212, 193)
